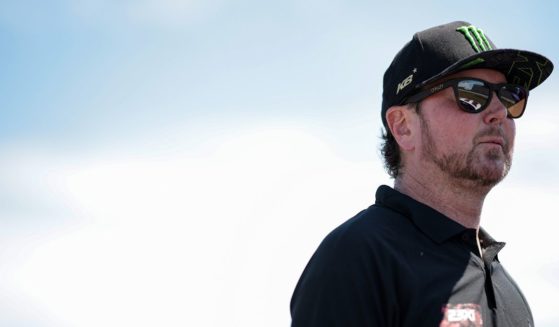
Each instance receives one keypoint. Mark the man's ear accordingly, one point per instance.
(402, 121)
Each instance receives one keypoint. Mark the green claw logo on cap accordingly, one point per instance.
(476, 38)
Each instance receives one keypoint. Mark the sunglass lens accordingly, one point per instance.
(514, 99)
(472, 95)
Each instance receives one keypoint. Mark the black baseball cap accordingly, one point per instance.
(447, 49)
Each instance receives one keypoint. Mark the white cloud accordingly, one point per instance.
(172, 239)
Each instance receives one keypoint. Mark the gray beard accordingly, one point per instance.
(462, 166)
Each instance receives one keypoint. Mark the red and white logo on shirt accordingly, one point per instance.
(461, 315)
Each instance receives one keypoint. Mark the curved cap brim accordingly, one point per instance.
(519, 66)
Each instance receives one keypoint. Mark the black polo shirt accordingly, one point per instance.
(402, 263)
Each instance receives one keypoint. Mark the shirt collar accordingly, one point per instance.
(434, 224)
(489, 245)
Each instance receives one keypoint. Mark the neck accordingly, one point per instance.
(461, 201)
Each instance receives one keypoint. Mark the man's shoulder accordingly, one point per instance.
(373, 222)
(370, 228)
(349, 271)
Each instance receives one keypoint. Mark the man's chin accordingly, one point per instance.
(492, 173)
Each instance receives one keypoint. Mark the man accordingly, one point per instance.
(418, 256)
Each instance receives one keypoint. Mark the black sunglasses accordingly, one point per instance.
(474, 95)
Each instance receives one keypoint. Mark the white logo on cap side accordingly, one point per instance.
(405, 82)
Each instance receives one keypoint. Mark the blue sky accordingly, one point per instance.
(100, 68)
(161, 161)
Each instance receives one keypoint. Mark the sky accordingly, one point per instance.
(178, 162)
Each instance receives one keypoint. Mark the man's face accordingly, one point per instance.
(470, 148)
